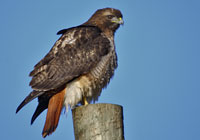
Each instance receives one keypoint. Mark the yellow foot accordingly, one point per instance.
(85, 101)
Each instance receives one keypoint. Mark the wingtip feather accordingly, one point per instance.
(23, 103)
(29, 98)
(40, 108)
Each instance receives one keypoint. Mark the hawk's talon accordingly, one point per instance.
(85, 101)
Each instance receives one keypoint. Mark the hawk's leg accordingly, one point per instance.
(85, 101)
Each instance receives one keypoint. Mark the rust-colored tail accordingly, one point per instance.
(53, 114)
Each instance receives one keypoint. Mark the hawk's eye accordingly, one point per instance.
(110, 16)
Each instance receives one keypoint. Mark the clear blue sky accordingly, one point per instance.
(157, 81)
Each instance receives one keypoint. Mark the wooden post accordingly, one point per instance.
(98, 122)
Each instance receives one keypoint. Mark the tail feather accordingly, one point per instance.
(53, 114)
(29, 98)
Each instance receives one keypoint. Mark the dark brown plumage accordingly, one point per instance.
(78, 67)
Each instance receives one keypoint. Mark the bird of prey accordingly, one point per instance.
(79, 65)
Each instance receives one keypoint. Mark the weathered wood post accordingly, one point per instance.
(98, 122)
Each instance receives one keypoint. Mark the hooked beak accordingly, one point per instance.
(121, 21)
(118, 20)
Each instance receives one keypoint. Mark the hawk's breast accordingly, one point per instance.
(91, 84)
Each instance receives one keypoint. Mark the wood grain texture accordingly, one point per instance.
(98, 122)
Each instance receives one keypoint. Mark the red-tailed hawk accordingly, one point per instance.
(77, 68)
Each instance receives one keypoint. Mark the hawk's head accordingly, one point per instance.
(107, 19)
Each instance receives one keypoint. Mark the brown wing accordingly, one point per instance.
(76, 52)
